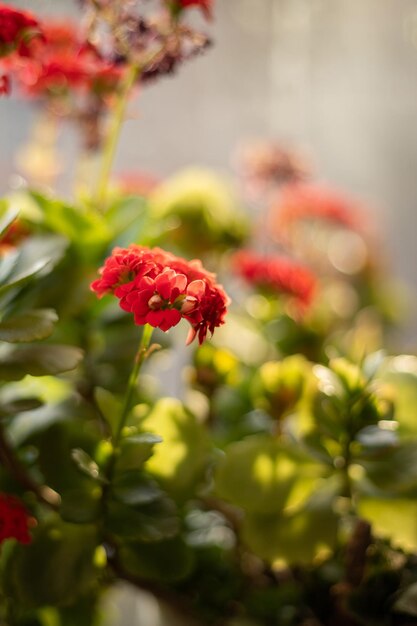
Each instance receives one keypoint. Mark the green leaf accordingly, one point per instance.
(262, 475)
(28, 423)
(33, 256)
(110, 407)
(8, 216)
(180, 460)
(14, 407)
(374, 438)
(394, 518)
(86, 465)
(37, 360)
(30, 326)
(394, 469)
(294, 539)
(407, 602)
(372, 602)
(153, 521)
(401, 388)
(133, 488)
(165, 561)
(56, 568)
(87, 230)
(135, 451)
(81, 506)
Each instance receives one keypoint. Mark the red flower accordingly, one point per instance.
(160, 289)
(4, 84)
(14, 519)
(15, 233)
(277, 274)
(307, 201)
(15, 29)
(64, 61)
(205, 5)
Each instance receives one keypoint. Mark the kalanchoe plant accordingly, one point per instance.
(281, 487)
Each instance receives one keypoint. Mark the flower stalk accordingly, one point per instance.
(131, 385)
(112, 140)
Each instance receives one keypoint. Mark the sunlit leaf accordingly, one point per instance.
(179, 461)
(295, 539)
(86, 464)
(33, 256)
(165, 561)
(394, 518)
(133, 488)
(30, 326)
(37, 360)
(262, 475)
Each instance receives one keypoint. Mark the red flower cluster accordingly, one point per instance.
(300, 201)
(63, 60)
(14, 519)
(16, 232)
(160, 288)
(16, 27)
(205, 5)
(277, 274)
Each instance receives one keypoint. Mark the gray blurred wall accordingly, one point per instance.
(337, 77)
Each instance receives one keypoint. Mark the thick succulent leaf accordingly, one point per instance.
(393, 470)
(135, 451)
(407, 602)
(81, 505)
(85, 229)
(294, 539)
(179, 461)
(264, 476)
(8, 216)
(135, 488)
(153, 521)
(165, 561)
(86, 464)
(33, 256)
(30, 326)
(394, 518)
(56, 568)
(28, 423)
(401, 388)
(110, 407)
(37, 360)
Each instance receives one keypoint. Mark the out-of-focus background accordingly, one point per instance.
(337, 78)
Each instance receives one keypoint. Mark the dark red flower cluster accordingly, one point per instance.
(16, 232)
(17, 29)
(205, 5)
(266, 162)
(14, 519)
(277, 274)
(160, 288)
(303, 201)
(63, 60)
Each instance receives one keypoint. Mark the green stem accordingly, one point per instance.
(110, 147)
(131, 386)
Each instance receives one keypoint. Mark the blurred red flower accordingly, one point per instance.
(304, 201)
(16, 232)
(16, 28)
(64, 61)
(205, 5)
(277, 274)
(160, 289)
(14, 519)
